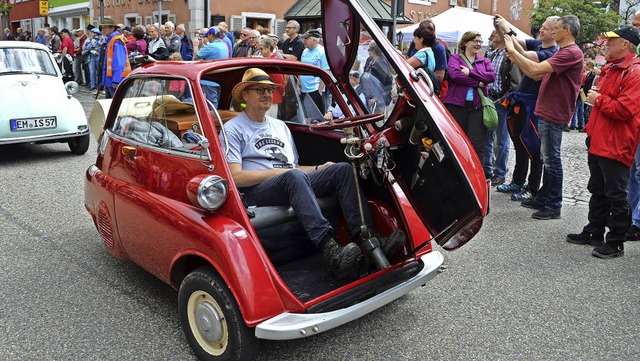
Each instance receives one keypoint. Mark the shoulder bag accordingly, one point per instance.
(489, 113)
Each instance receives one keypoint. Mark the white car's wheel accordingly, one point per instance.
(211, 319)
(79, 145)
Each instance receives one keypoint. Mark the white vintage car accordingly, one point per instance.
(35, 105)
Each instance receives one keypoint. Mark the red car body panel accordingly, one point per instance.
(138, 200)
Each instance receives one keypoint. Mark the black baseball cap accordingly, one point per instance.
(626, 32)
(312, 34)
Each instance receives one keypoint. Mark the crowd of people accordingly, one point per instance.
(541, 88)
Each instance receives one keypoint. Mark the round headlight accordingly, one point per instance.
(211, 191)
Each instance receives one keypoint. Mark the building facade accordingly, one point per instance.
(196, 14)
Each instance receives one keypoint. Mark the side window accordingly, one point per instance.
(372, 77)
(160, 113)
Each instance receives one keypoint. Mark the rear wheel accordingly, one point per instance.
(211, 319)
(79, 145)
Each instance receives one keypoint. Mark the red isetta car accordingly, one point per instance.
(161, 193)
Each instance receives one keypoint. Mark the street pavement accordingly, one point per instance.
(517, 291)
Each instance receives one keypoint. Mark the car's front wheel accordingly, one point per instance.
(211, 319)
(79, 145)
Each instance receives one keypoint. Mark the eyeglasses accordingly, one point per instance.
(290, 27)
(476, 41)
(244, 34)
(253, 37)
(261, 91)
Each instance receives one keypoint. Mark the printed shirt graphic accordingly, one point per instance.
(260, 146)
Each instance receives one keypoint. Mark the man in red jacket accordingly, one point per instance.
(612, 140)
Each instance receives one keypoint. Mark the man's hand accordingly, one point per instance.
(592, 96)
(501, 24)
(508, 43)
(327, 164)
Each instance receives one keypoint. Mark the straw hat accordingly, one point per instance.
(251, 76)
(109, 22)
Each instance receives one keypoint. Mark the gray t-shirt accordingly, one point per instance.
(260, 146)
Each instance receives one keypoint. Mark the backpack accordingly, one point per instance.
(133, 54)
(448, 52)
(437, 87)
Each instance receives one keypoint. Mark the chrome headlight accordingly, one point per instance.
(207, 191)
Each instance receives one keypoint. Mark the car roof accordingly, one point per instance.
(194, 69)
(22, 44)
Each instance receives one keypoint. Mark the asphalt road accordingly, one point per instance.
(517, 291)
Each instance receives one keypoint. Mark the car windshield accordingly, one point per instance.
(21, 60)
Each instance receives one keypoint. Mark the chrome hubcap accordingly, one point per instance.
(208, 322)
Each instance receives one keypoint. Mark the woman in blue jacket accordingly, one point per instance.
(469, 72)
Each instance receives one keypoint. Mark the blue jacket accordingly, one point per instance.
(119, 60)
(524, 102)
(186, 47)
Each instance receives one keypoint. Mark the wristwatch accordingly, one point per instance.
(511, 32)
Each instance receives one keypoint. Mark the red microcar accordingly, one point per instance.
(161, 192)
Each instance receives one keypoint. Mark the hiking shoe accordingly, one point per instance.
(341, 259)
(392, 243)
(633, 234)
(509, 188)
(546, 214)
(609, 250)
(583, 238)
(531, 203)
(496, 180)
(523, 195)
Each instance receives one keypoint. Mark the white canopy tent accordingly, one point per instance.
(453, 23)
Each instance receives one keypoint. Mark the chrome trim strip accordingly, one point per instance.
(288, 326)
(39, 138)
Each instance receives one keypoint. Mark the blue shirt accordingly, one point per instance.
(426, 55)
(528, 85)
(317, 57)
(41, 39)
(214, 50)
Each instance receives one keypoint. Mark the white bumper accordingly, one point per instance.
(287, 326)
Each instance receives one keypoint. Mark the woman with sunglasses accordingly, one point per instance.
(468, 72)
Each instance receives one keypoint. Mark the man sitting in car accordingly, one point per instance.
(268, 177)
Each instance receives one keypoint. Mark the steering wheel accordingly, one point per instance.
(348, 122)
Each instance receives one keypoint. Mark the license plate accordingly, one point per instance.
(18, 125)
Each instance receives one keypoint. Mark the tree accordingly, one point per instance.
(595, 18)
(5, 8)
(628, 10)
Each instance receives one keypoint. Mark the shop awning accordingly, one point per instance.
(377, 9)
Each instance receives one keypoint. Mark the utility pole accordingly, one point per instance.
(394, 12)
(159, 12)
(101, 11)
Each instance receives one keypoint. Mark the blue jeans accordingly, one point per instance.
(109, 91)
(578, 115)
(300, 190)
(504, 143)
(94, 67)
(550, 195)
(634, 190)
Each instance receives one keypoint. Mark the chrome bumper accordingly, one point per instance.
(45, 137)
(288, 326)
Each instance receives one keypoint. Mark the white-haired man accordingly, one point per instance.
(171, 38)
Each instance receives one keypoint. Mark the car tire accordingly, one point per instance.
(211, 320)
(79, 145)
